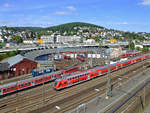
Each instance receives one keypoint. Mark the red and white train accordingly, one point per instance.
(130, 54)
(23, 84)
(83, 76)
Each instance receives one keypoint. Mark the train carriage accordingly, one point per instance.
(92, 73)
(125, 63)
(71, 80)
(8, 88)
(38, 72)
(23, 84)
(68, 77)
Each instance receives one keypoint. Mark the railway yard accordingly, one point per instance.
(45, 99)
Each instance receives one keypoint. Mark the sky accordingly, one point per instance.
(126, 15)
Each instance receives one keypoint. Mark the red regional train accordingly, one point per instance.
(130, 54)
(23, 84)
(95, 72)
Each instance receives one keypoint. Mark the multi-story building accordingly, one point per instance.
(68, 39)
(47, 39)
(60, 39)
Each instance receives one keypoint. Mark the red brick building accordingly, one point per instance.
(18, 65)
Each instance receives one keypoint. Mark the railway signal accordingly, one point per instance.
(109, 85)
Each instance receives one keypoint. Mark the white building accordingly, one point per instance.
(47, 39)
(28, 41)
(68, 39)
(89, 41)
(60, 39)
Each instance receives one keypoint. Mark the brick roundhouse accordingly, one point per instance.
(17, 65)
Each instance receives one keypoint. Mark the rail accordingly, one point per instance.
(129, 97)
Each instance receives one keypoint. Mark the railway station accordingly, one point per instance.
(74, 56)
(77, 80)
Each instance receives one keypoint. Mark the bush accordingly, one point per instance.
(8, 54)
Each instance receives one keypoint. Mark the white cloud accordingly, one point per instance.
(61, 13)
(71, 8)
(6, 5)
(123, 23)
(145, 2)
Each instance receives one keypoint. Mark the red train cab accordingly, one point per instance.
(61, 84)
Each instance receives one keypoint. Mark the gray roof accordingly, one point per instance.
(13, 60)
(4, 66)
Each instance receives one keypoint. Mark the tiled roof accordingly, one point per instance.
(13, 60)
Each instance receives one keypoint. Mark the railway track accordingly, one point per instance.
(50, 96)
(83, 97)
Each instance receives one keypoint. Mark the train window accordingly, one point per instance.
(29, 83)
(36, 81)
(26, 84)
(4, 90)
(59, 84)
(22, 85)
(65, 82)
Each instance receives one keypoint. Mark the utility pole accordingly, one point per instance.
(43, 90)
(144, 87)
(109, 85)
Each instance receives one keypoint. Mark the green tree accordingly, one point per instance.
(2, 44)
(17, 39)
(3, 56)
(138, 48)
(11, 53)
(131, 45)
(145, 49)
